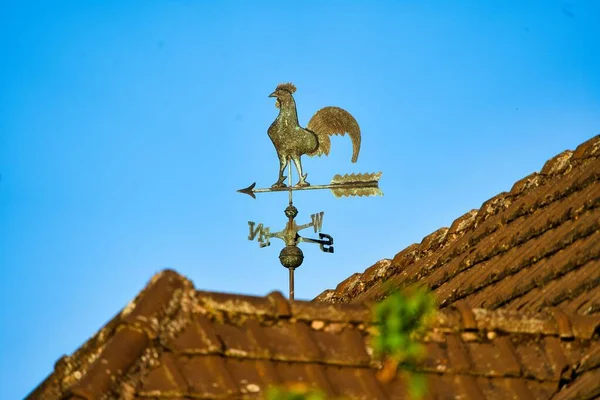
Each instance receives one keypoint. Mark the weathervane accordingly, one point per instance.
(291, 142)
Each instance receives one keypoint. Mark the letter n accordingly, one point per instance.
(254, 232)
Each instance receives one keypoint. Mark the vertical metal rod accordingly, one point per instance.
(291, 283)
(291, 270)
(290, 180)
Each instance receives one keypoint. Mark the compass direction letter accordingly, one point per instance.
(326, 245)
(262, 232)
(317, 221)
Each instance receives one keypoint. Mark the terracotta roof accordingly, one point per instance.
(176, 342)
(533, 247)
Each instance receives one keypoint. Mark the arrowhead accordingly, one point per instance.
(249, 190)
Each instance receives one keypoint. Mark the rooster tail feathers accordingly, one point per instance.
(330, 121)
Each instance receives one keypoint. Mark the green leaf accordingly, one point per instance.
(417, 387)
(401, 316)
(277, 393)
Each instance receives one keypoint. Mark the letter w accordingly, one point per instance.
(317, 221)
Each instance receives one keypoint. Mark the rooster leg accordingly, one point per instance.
(302, 181)
(282, 165)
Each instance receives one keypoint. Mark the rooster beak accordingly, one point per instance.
(273, 95)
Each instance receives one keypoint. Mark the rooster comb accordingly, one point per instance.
(289, 87)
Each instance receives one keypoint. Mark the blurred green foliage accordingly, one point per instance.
(299, 392)
(399, 318)
(417, 385)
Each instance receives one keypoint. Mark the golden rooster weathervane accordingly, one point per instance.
(292, 142)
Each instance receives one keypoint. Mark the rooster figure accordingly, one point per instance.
(292, 141)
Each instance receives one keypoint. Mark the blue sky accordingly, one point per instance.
(127, 126)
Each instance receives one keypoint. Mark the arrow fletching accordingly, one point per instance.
(356, 185)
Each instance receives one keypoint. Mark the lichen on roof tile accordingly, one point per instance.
(559, 164)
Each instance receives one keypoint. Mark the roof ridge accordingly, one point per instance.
(559, 165)
(275, 305)
(553, 322)
(459, 317)
(92, 368)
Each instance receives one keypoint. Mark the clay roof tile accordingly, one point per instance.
(588, 149)
(532, 248)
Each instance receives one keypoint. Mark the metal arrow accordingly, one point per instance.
(340, 185)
